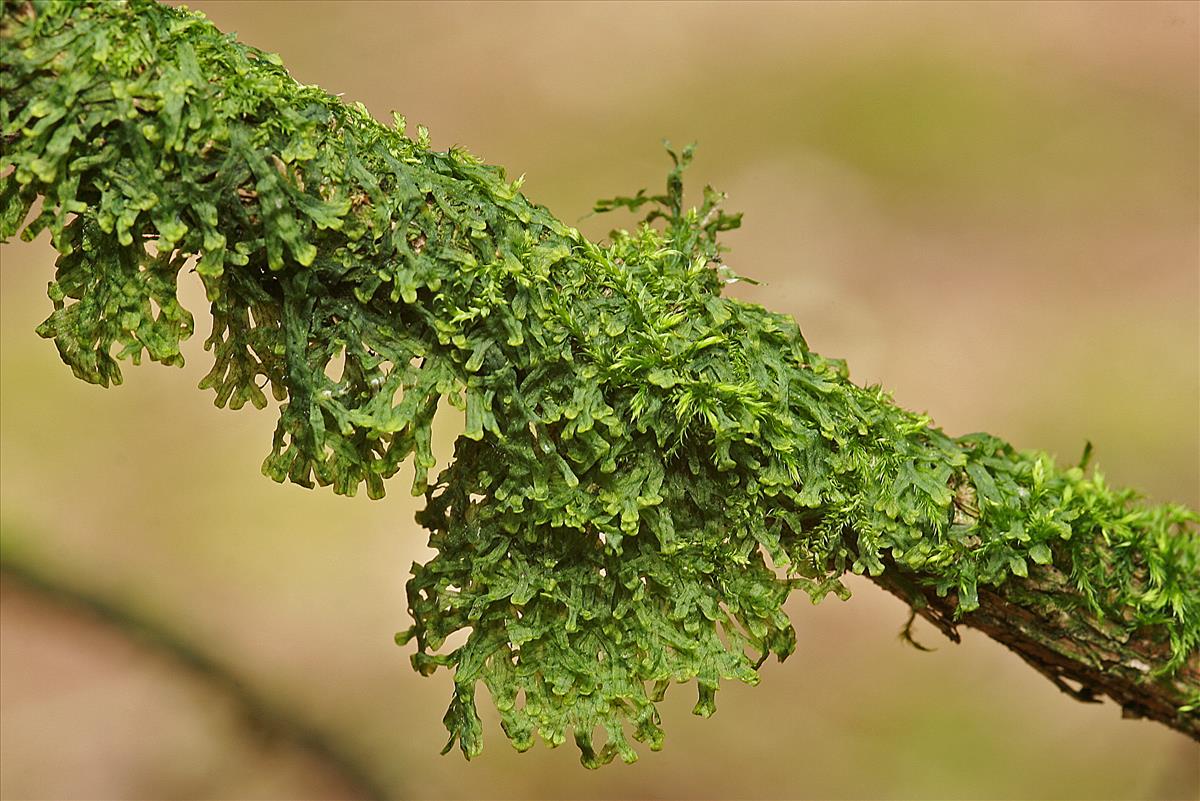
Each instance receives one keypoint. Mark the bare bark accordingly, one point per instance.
(1045, 621)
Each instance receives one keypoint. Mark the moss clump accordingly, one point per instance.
(648, 468)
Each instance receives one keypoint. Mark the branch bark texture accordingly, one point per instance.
(1043, 620)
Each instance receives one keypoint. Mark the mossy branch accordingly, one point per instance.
(648, 468)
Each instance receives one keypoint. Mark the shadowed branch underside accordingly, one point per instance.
(1042, 620)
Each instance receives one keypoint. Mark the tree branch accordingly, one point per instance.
(1044, 621)
(267, 718)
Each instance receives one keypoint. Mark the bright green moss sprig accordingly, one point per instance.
(648, 468)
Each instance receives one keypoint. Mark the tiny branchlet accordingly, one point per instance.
(648, 468)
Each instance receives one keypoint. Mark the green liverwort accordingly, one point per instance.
(648, 468)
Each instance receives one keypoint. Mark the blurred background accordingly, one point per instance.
(990, 209)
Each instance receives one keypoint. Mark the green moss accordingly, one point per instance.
(648, 468)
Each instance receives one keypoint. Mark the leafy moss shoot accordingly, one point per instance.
(648, 468)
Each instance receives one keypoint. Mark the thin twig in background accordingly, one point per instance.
(265, 717)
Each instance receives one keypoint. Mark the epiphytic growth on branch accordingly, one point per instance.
(648, 469)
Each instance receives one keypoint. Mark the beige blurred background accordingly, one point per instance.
(990, 209)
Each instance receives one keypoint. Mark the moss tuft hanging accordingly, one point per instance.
(648, 468)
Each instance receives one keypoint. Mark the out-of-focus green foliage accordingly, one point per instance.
(648, 468)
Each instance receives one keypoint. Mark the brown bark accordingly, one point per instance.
(1048, 625)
